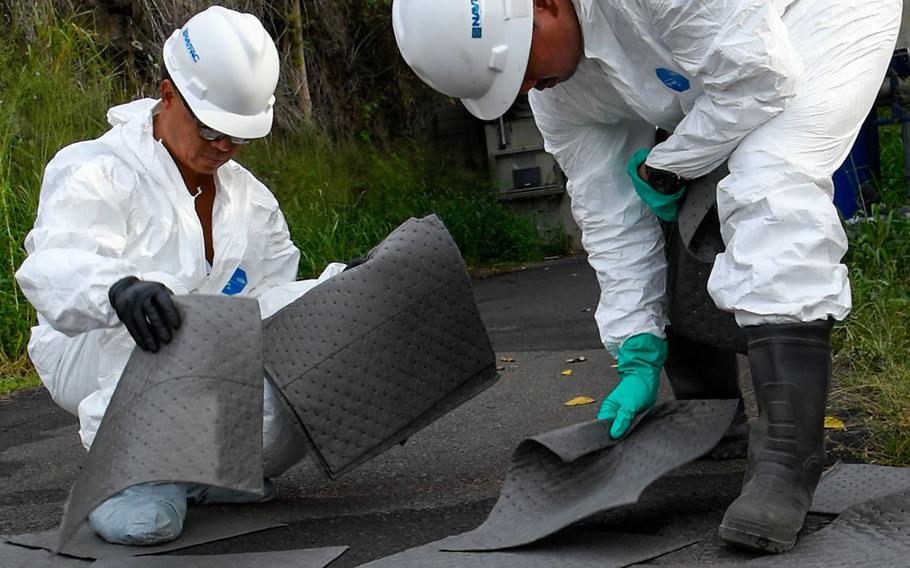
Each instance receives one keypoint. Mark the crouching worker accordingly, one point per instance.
(156, 207)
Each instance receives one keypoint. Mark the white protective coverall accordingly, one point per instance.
(117, 206)
(779, 88)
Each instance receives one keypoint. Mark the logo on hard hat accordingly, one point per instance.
(189, 46)
(476, 27)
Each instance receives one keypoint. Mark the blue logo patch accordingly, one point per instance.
(236, 284)
(476, 27)
(673, 80)
(189, 46)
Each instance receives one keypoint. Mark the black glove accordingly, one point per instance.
(147, 310)
(355, 262)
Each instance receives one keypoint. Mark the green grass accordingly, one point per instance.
(872, 346)
(13, 383)
(342, 198)
(52, 92)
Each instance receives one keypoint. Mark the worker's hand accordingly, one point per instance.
(665, 206)
(640, 359)
(147, 310)
(355, 262)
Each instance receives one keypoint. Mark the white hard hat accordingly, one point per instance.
(476, 50)
(225, 66)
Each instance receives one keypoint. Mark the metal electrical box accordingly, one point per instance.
(520, 167)
(525, 176)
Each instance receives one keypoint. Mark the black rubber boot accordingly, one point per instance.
(698, 371)
(791, 373)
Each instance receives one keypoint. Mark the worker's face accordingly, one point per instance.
(178, 130)
(556, 45)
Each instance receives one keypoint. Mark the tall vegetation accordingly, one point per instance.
(872, 345)
(356, 82)
(54, 89)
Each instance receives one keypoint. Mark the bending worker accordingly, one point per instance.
(155, 207)
(776, 88)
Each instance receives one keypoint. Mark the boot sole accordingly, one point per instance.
(753, 539)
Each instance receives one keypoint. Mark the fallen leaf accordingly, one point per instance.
(500, 367)
(566, 373)
(832, 423)
(580, 401)
(507, 359)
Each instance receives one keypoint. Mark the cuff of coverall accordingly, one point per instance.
(613, 346)
(169, 280)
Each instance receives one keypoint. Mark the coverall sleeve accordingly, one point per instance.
(740, 51)
(282, 257)
(622, 238)
(75, 248)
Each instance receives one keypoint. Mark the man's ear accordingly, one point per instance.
(167, 93)
(549, 7)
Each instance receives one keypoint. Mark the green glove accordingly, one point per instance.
(640, 360)
(664, 206)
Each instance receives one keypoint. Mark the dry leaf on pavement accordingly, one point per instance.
(580, 401)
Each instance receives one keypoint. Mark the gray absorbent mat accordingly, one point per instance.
(191, 412)
(566, 475)
(311, 558)
(572, 549)
(376, 353)
(845, 485)
(874, 534)
(12, 556)
(201, 527)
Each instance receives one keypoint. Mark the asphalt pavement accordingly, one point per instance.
(445, 479)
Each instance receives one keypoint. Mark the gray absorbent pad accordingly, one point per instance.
(845, 485)
(566, 475)
(12, 556)
(572, 549)
(201, 527)
(376, 353)
(311, 558)
(191, 412)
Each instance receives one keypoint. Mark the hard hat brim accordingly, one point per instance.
(497, 100)
(236, 125)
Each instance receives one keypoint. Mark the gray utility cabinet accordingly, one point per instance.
(519, 164)
(525, 176)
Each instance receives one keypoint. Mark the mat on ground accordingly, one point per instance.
(571, 549)
(846, 485)
(202, 526)
(310, 558)
(12, 556)
(564, 476)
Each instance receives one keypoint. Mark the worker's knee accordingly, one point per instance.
(283, 443)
